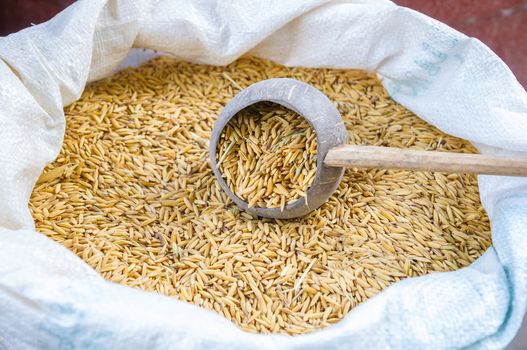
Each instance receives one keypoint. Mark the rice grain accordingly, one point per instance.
(133, 195)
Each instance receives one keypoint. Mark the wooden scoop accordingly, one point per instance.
(333, 154)
(350, 156)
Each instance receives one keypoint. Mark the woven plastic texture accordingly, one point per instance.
(50, 299)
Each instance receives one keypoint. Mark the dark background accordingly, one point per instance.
(501, 24)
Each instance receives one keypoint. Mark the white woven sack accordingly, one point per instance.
(50, 299)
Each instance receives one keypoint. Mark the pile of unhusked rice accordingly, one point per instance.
(132, 193)
(267, 155)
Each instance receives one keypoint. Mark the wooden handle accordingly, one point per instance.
(408, 159)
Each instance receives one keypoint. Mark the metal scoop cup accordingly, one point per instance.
(319, 112)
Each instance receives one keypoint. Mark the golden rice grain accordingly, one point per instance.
(133, 195)
(267, 155)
